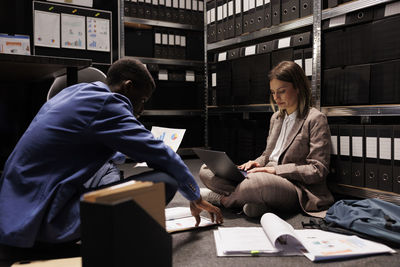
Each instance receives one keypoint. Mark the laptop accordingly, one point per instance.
(220, 164)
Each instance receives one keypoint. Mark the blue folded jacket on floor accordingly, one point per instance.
(373, 217)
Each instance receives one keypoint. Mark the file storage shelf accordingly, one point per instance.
(362, 192)
(283, 27)
(33, 68)
(166, 61)
(350, 6)
(158, 23)
(161, 112)
(239, 109)
(338, 111)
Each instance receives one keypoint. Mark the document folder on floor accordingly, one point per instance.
(276, 237)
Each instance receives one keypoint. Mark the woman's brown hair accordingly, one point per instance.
(288, 71)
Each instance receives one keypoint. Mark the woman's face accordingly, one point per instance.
(285, 95)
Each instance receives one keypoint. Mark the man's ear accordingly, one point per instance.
(125, 86)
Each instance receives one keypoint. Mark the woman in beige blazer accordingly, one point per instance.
(291, 172)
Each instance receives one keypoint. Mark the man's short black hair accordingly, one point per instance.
(130, 69)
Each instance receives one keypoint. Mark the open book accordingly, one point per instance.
(181, 219)
(278, 238)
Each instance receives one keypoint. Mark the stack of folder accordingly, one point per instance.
(176, 88)
(179, 11)
(361, 57)
(164, 43)
(169, 44)
(366, 156)
(229, 18)
(240, 75)
(249, 135)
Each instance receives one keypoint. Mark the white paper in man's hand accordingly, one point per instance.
(172, 137)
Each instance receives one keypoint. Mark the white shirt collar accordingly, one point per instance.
(291, 116)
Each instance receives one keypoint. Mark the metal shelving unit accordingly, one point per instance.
(165, 112)
(283, 27)
(159, 23)
(126, 22)
(365, 192)
(369, 110)
(350, 7)
(166, 61)
(240, 109)
(366, 110)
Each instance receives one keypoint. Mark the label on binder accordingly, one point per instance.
(219, 13)
(397, 149)
(214, 79)
(201, 6)
(371, 151)
(238, 6)
(230, 8)
(299, 62)
(208, 17)
(252, 4)
(158, 38)
(334, 144)
(284, 42)
(245, 5)
(308, 66)
(337, 21)
(190, 76)
(177, 40)
(385, 148)
(165, 39)
(259, 3)
(212, 14)
(250, 50)
(171, 39)
(194, 5)
(225, 11)
(345, 145)
(163, 75)
(392, 9)
(175, 4)
(183, 40)
(222, 56)
(357, 147)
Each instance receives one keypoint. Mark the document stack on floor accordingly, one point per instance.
(181, 219)
(276, 237)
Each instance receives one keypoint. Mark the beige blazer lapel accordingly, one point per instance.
(295, 130)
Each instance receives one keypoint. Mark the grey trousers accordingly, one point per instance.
(276, 192)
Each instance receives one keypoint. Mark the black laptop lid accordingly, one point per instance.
(220, 164)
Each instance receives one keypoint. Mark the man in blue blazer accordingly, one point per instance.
(67, 149)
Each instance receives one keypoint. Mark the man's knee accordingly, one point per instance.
(171, 186)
